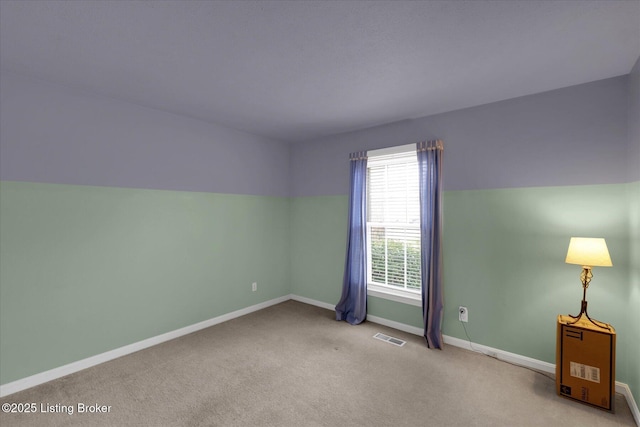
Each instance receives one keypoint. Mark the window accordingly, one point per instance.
(393, 222)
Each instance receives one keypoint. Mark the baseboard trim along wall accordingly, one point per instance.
(516, 359)
(52, 374)
(313, 302)
(505, 356)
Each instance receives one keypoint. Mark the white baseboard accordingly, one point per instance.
(52, 374)
(624, 389)
(395, 325)
(516, 359)
(313, 302)
(505, 356)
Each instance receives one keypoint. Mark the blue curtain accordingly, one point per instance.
(353, 303)
(430, 170)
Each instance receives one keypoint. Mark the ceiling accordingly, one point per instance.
(300, 70)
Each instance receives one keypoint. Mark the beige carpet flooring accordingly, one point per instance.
(293, 365)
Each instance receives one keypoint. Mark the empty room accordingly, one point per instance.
(320, 213)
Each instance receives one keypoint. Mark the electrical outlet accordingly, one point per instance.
(254, 286)
(463, 314)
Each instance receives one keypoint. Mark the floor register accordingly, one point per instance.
(586, 361)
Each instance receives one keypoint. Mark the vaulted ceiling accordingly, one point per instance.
(299, 70)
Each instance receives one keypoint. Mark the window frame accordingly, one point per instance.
(405, 296)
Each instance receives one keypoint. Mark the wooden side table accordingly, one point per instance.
(586, 362)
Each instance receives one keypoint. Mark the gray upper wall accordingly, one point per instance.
(571, 136)
(54, 134)
(585, 134)
(633, 157)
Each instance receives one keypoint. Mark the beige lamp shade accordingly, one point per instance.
(588, 251)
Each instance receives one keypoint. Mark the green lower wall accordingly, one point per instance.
(318, 245)
(504, 256)
(86, 270)
(633, 291)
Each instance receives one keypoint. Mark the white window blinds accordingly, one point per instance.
(393, 221)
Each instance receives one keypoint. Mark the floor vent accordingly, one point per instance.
(392, 340)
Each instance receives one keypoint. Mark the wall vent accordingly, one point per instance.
(387, 338)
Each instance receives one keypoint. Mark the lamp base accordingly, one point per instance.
(585, 278)
(583, 312)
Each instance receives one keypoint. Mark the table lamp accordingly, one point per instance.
(587, 252)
